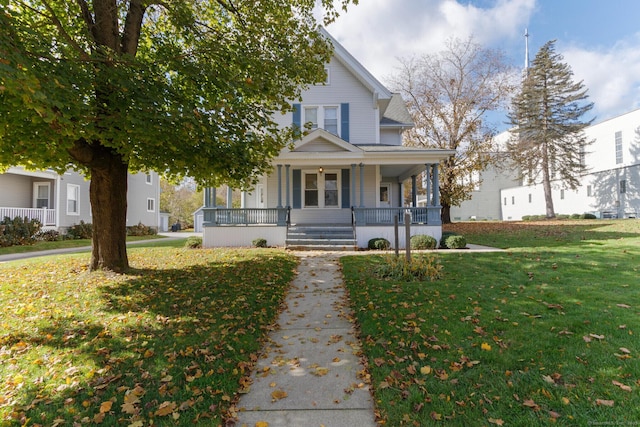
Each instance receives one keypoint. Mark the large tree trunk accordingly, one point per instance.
(108, 195)
(445, 214)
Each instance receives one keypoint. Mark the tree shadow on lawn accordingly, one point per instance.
(181, 340)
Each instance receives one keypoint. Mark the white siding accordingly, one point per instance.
(139, 192)
(84, 204)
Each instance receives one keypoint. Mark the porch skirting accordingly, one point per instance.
(242, 235)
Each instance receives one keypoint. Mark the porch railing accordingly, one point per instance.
(45, 216)
(382, 216)
(223, 216)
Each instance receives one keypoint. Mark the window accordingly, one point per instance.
(513, 200)
(327, 75)
(562, 194)
(148, 178)
(530, 198)
(589, 191)
(151, 205)
(331, 190)
(73, 198)
(310, 190)
(325, 116)
(41, 194)
(623, 186)
(505, 201)
(618, 148)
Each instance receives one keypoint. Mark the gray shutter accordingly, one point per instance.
(297, 189)
(346, 199)
(344, 121)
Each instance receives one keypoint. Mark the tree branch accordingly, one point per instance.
(65, 35)
(132, 27)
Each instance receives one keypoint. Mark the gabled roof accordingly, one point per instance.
(356, 68)
(321, 141)
(396, 113)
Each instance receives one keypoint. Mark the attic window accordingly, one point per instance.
(327, 75)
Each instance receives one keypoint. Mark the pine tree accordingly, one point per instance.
(548, 143)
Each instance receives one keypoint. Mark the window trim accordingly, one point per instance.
(77, 200)
(321, 188)
(149, 179)
(153, 208)
(320, 116)
(618, 146)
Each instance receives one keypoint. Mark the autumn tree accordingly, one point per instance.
(186, 88)
(549, 142)
(449, 95)
(180, 200)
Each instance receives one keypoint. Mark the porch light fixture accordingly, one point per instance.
(320, 169)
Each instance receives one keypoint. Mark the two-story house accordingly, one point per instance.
(342, 183)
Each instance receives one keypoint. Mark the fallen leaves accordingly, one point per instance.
(278, 395)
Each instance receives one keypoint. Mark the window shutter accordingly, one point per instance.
(344, 121)
(297, 119)
(297, 188)
(346, 202)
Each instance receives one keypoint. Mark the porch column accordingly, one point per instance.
(427, 179)
(400, 194)
(286, 180)
(352, 197)
(436, 186)
(414, 192)
(279, 186)
(243, 199)
(362, 185)
(210, 197)
(229, 197)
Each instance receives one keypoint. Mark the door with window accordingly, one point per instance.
(384, 200)
(41, 193)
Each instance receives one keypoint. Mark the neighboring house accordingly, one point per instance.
(342, 183)
(610, 189)
(60, 201)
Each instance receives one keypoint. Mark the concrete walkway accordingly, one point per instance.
(309, 373)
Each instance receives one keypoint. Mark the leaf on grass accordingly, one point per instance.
(598, 337)
(486, 347)
(278, 394)
(495, 421)
(622, 386)
(105, 406)
(262, 424)
(529, 403)
(425, 370)
(623, 305)
(625, 350)
(603, 402)
(166, 408)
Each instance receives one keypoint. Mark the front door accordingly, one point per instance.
(384, 200)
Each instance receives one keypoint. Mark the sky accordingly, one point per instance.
(599, 39)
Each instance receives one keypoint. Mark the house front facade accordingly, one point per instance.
(60, 201)
(344, 180)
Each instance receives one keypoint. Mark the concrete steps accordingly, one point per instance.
(326, 237)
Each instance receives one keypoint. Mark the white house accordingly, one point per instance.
(60, 201)
(342, 183)
(610, 188)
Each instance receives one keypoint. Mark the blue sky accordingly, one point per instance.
(599, 39)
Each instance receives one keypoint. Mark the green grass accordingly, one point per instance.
(170, 343)
(63, 244)
(545, 332)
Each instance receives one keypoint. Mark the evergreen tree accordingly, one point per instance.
(548, 142)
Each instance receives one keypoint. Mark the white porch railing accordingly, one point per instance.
(223, 216)
(379, 216)
(46, 216)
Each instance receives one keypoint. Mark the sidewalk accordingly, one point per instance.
(309, 371)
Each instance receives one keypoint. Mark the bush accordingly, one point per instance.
(48, 236)
(422, 241)
(141, 230)
(424, 268)
(588, 216)
(456, 242)
(259, 242)
(445, 236)
(193, 242)
(379, 243)
(18, 231)
(83, 230)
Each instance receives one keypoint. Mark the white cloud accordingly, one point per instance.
(611, 75)
(377, 32)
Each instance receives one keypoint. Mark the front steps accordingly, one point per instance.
(326, 237)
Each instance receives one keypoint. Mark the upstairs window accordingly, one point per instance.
(618, 148)
(326, 117)
(73, 196)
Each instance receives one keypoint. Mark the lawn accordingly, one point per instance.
(170, 343)
(544, 332)
(63, 244)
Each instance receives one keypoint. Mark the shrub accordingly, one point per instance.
(84, 230)
(48, 236)
(18, 231)
(259, 242)
(445, 236)
(423, 241)
(193, 242)
(140, 230)
(456, 242)
(575, 216)
(424, 268)
(588, 216)
(379, 243)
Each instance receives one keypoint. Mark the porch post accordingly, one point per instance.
(229, 197)
(427, 174)
(286, 180)
(279, 186)
(414, 192)
(210, 197)
(436, 186)
(400, 194)
(352, 197)
(362, 185)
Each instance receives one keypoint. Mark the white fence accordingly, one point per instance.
(44, 215)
